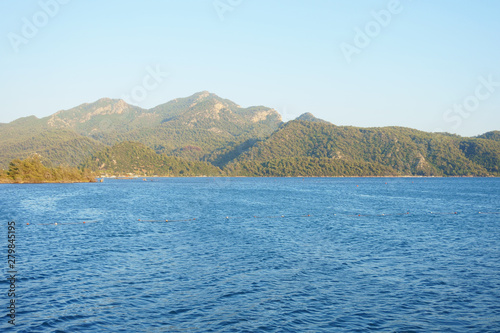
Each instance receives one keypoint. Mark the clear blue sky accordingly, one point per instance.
(423, 59)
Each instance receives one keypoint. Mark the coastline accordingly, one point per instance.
(146, 178)
(2, 182)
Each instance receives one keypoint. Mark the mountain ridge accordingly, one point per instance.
(202, 120)
(206, 128)
(406, 151)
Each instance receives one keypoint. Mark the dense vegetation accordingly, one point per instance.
(308, 167)
(32, 170)
(493, 135)
(58, 146)
(138, 159)
(193, 127)
(207, 135)
(375, 151)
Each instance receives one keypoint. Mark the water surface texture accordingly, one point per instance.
(255, 255)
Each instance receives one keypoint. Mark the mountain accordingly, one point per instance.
(105, 115)
(197, 127)
(204, 134)
(378, 151)
(310, 117)
(200, 127)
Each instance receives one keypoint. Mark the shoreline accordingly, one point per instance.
(98, 179)
(145, 177)
(55, 182)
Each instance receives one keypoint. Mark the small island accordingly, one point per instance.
(31, 170)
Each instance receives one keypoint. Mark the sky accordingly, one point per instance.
(430, 65)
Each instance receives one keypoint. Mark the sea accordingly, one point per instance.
(251, 255)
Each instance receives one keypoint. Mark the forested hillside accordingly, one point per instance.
(493, 135)
(388, 151)
(195, 127)
(204, 134)
(138, 159)
(32, 170)
(56, 145)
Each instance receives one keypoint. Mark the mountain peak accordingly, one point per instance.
(90, 117)
(310, 117)
(204, 93)
(104, 99)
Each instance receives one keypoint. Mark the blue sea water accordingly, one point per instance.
(254, 255)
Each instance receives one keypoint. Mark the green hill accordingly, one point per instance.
(59, 146)
(493, 135)
(307, 167)
(310, 117)
(203, 134)
(135, 158)
(385, 151)
(32, 170)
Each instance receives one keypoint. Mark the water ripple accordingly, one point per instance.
(323, 273)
